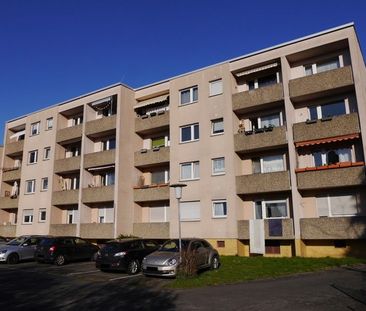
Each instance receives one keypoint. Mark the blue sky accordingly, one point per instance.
(51, 50)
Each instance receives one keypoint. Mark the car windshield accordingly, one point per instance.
(46, 242)
(173, 245)
(18, 241)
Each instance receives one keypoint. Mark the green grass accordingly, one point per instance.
(238, 269)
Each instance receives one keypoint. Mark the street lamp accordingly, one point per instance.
(178, 195)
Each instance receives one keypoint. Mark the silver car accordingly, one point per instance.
(165, 261)
(21, 248)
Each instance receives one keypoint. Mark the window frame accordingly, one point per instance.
(329, 206)
(212, 167)
(191, 92)
(33, 186)
(49, 123)
(191, 219)
(211, 83)
(319, 112)
(42, 210)
(192, 170)
(212, 127)
(36, 126)
(213, 208)
(314, 65)
(43, 180)
(264, 210)
(46, 153)
(30, 215)
(192, 129)
(35, 157)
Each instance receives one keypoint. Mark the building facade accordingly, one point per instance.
(270, 145)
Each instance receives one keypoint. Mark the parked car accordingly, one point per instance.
(124, 255)
(59, 250)
(165, 261)
(18, 249)
(3, 240)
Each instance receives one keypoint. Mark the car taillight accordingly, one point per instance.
(52, 249)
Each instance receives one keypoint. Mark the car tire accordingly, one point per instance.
(133, 267)
(13, 259)
(60, 260)
(215, 263)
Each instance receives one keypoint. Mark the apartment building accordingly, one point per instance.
(270, 146)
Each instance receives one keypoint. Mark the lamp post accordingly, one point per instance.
(178, 195)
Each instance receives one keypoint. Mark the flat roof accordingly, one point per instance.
(351, 24)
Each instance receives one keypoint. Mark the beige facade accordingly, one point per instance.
(275, 135)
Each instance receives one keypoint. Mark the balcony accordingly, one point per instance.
(11, 174)
(152, 123)
(333, 228)
(153, 230)
(67, 165)
(152, 157)
(151, 193)
(98, 194)
(287, 230)
(65, 197)
(97, 231)
(97, 127)
(101, 158)
(8, 230)
(14, 148)
(322, 84)
(63, 229)
(263, 183)
(69, 134)
(8, 202)
(260, 141)
(257, 99)
(332, 176)
(319, 129)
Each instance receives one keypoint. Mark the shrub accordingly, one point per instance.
(188, 266)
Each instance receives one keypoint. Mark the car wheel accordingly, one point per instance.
(60, 260)
(215, 263)
(133, 266)
(13, 259)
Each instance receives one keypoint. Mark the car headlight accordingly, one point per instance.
(120, 254)
(172, 262)
(3, 251)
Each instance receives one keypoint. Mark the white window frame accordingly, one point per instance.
(191, 100)
(35, 128)
(259, 119)
(192, 133)
(328, 196)
(212, 167)
(32, 182)
(213, 208)
(314, 66)
(192, 167)
(190, 219)
(256, 84)
(212, 83)
(212, 127)
(43, 180)
(49, 123)
(42, 210)
(323, 153)
(261, 159)
(319, 108)
(73, 213)
(165, 213)
(76, 120)
(35, 156)
(46, 153)
(264, 212)
(29, 214)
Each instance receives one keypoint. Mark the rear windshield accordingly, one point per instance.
(46, 242)
(115, 247)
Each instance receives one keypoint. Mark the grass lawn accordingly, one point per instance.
(235, 269)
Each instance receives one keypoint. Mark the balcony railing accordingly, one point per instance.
(63, 229)
(14, 148)
(287, 233)
(155, 156)
(69, 134)
(101, 158)
(258, 98)
(98, 127)
(321, 84)
(263, 183)
(11, 174)
(152, 123)
(98, 194)
(8, 202)
(153, 230)
(8, 230)
(67, 165)
(151, 193)
(97, 231)
(65, 197)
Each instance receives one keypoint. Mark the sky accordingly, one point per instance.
(52, 50)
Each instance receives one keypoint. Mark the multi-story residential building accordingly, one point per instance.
(270, 145)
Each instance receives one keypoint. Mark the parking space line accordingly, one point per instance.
(125, 277)
(83, 272)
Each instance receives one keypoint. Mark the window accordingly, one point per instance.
(158, 213)
(219, 209)
(272, 120)
(71, 216)
(157, 142)
(27, 216)
(70, 183)
(106, 215)
(30, 186)
(160, 177)
(42, 215)
(216, 87)
(218, 166)
(217, 126)
(332, 156)
(343, 204)
(322, 66)
(188, 96)
(44, 184)
(268, 164)
(263, 81)
(271, 209)
(190, 170)
(76, 120)
(109, 144)
(190, 211)
(35, 128)
(327, 110)
(47, 153)
(32, 156)
(49, 124)
(189, 133)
